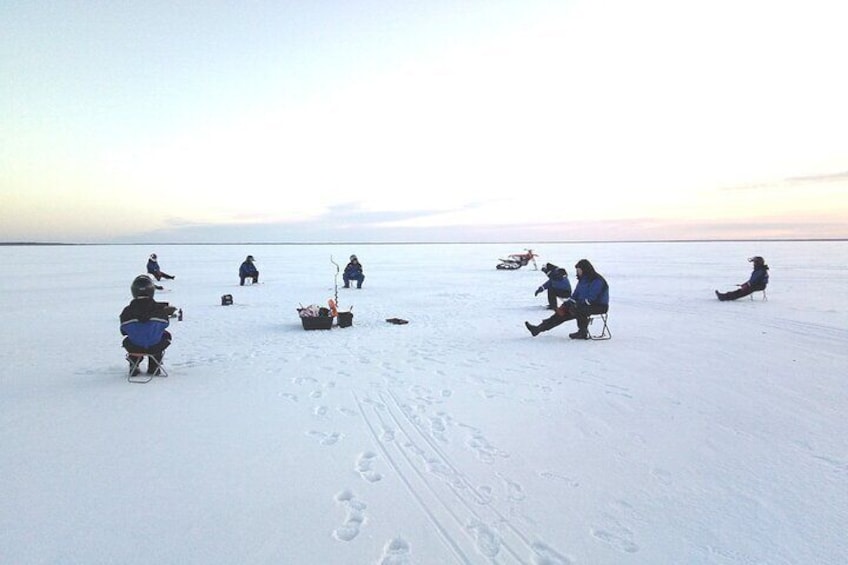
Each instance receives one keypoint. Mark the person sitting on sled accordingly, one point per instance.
(248, 270)
(153, 269)
(557, 285)
(143, 324)
(590, 296)
(353, 272)
(758, 281)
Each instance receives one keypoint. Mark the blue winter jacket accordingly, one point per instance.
(152, 266)
(759, 278)
(558, 280)
(353, 271)
(592, 291)
(144, 322)
(247, 269)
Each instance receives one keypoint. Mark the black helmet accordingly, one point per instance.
(249, 258)
(142, 286)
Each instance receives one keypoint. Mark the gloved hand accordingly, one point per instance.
(538, 291)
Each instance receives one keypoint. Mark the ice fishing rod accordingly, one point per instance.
(336, 280)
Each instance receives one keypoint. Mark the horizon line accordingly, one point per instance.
(546, 242)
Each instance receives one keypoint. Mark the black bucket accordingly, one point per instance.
(317, 323)
(345, 319)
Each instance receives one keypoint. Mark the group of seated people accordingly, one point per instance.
(144, 321)
(591, 295)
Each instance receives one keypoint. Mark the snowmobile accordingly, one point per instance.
(517, 260)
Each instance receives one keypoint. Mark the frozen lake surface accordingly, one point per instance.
(702, 432)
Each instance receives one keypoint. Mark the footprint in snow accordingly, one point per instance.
(365, 467)
(514, 491)
(484, 494)
(303, 380)
(620, 541)
(486, 539)
(484, 450)
(396, 552)
(325, 438)
(353, 520)
(574, 483)
(543, 554)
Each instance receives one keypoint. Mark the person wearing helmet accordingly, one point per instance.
(144, 322)
(153, 268)
(758, 281)
(248, 271)
(353, 272)
(557, 285)
(590, 296)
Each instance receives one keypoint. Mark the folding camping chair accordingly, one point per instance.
(765, 297)
(605, 331)
(135, 360)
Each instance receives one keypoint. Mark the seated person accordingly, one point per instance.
(144, 322)
(153, 269)
(353, 272)
(557, 285)
(590, 296)
(758, 281)
(248, 271)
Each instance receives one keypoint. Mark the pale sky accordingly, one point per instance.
(432, 120)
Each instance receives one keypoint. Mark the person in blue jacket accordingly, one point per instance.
(758, 281)
(144, 322)
(590, 296)
(557, 285)
(153, 269)
(353, 272)
(248, 270)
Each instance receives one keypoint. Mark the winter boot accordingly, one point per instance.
(579, 334)
(134, 369)
(153, 362)
(547, 324)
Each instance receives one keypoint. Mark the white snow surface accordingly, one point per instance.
(702, 432)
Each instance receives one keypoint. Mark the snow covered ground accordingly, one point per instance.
(703, 432)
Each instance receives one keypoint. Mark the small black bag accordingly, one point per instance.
(227, 300)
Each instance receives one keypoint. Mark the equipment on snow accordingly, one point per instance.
(517, 260)
(314, 317)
